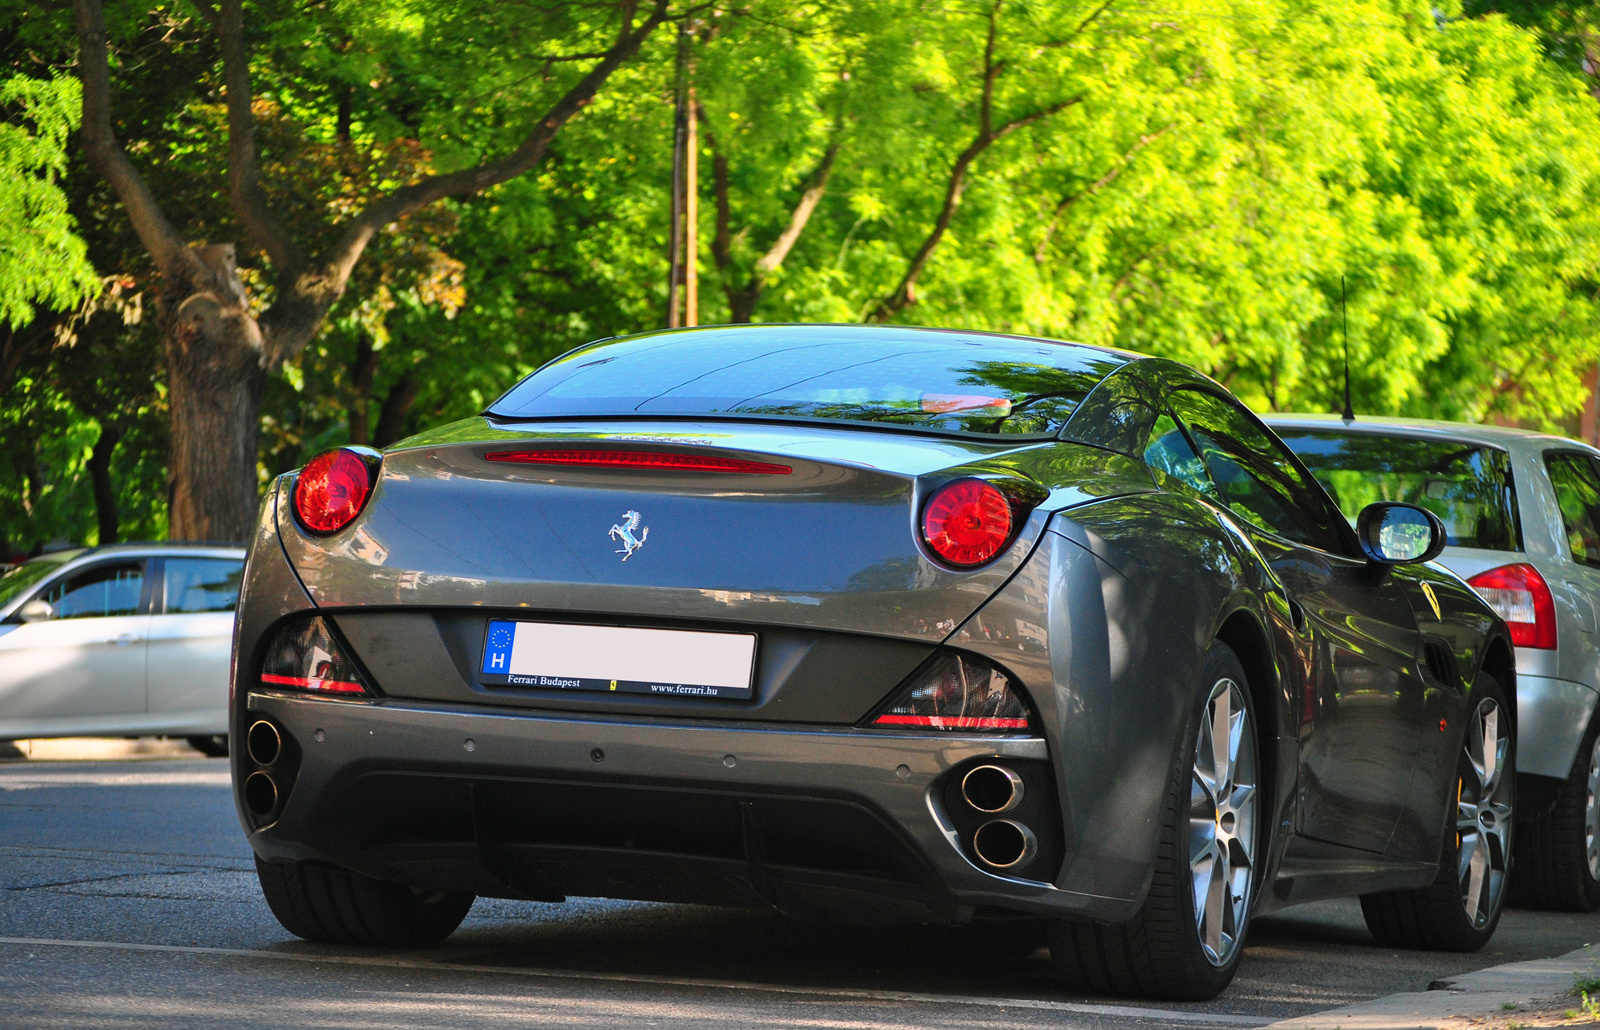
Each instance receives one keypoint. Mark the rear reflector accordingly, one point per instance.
(640, 460)
(1519, 595)
(305, 655)
(957, 692)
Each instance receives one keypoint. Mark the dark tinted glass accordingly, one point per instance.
(1255, 477)
(943, 381)
(202, 584)
(1578, 494)
(98, 592)
(1467, 486)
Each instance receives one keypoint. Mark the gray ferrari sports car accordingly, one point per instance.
(868, 623)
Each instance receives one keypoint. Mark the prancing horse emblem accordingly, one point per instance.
(624, 531)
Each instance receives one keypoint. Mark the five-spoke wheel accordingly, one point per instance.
(1222, 821)
(1459, 910)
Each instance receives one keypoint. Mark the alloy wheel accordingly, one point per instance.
(1222, 818)
(1483, 814)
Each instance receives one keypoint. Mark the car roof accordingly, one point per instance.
(1504, 437)
(145, 548)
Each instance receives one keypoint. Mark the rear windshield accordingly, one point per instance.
(916, 379)
(1467, 486)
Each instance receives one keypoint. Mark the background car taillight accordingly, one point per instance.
(957, 692)
(967, 522)
(305, 655)
(333, 488)
(1519, 595)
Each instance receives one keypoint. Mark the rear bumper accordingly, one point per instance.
(1552, 716)
(453, 798)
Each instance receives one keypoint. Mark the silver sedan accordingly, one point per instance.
(1522, 517)
(125, 640)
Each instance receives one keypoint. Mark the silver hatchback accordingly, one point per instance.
(1522, 516)
(123, 640)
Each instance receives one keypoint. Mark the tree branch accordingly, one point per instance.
(528, 153)
(904, 294)
(1095, 187)
(244, 177)
(105, 154)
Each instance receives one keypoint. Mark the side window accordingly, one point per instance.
(201, 584)
(1169, 451)
(1578, 493)
(1255, 475)
(98, 592)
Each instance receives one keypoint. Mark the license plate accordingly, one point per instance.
(625, 660)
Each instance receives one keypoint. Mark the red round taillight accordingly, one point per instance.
(331, 490)
(967, 522)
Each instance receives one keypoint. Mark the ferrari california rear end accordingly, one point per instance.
(857, 623)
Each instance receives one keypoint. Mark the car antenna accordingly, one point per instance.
(1349, 415)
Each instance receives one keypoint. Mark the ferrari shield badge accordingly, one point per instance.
(629, 533)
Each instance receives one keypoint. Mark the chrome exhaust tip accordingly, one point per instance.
(1004, 844)
(260, 794)
(263, 742)
(992, 788)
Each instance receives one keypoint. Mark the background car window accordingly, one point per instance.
(24, 576)
(201, 584)
(1578, 493)
(1254, 475)
(98, 592)
(1468, 487)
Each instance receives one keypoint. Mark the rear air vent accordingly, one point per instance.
(663, 460)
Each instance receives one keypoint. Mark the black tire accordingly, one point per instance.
(335, 906)
(213, 746)
(1553, 869)
(1435, 918)
(1159, 954)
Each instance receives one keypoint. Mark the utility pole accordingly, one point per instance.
(675, 236)
(691, 212)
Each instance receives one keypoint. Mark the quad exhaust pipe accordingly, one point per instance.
(264, 742)
(992, 789)
(260, 794)
(1005, 844)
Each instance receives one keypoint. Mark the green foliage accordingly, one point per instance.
(1202, 179)
(42, 259)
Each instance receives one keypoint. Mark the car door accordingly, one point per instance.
(1576, 482)
(82, 668)
(191, 634)
(1362, 707)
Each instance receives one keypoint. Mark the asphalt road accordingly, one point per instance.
(127, 899)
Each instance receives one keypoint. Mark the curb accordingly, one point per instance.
(1485, 992)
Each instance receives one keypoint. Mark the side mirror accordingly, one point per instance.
(36, 610)
(1393, 533)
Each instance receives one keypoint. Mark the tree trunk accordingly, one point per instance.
(392, 420)
(215, 383)
(105, 495)
(361, 372)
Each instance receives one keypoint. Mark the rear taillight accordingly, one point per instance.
(333, 488)
(305, 655)
(967, 522)
(957, 692)
(1519, 595)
